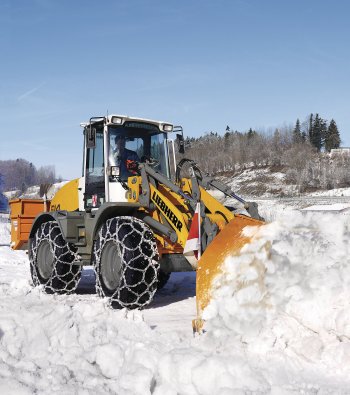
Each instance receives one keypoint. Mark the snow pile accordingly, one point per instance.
(279, 324)
(287, 298)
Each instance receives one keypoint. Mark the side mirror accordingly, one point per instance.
(180, 143)
(91, 137)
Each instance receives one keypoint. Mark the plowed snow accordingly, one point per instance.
(282, 328)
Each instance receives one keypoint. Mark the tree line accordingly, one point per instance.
(320, 133)
(19, 174)
(300, 151)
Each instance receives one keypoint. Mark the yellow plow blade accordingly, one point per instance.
(228, 242)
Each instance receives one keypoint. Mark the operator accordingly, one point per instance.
(126, 158)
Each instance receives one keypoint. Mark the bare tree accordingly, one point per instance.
(20, 174)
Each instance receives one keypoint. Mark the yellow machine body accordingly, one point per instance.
(66, 198)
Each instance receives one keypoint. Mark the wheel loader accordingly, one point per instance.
(133, 215)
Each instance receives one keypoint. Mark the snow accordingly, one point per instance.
(328, 207)
(279, 323)
(286, 298)
(264, 182)
(4, 229)
(260, 182)
(333, 192)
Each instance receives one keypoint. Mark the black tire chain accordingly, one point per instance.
(140, 261)
(65, 275)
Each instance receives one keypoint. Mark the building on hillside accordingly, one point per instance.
(340, 151)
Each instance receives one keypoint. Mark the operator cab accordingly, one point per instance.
(139, 142)
(114, 145)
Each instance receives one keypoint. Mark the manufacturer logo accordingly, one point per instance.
(166, 211)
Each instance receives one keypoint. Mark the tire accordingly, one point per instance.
(126, 263)
(163, 278)
(51, 260)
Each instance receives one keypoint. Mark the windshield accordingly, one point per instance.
(137, 142)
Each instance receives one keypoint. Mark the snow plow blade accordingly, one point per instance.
(228, 242)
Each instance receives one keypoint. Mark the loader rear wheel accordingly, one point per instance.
(51, 260)
(126, 263)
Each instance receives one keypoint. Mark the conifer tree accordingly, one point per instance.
(332, 136)
(303, 136)
(318, 130)
(323, 130)
(251, 133)
(297, 137)
(310, 127)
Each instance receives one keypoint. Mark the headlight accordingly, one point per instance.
(117, 120)
(167, 128)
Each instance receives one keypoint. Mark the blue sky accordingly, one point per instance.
(202, 64)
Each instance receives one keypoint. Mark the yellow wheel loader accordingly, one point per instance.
(131, 217)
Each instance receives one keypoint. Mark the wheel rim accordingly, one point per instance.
(111, 266)
(45, 260)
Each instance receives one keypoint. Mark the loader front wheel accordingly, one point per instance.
(126, 263)
(51, 260)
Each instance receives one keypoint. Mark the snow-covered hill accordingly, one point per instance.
(282, 328)
(263, 182)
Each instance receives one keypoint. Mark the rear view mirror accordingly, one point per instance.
(91, 137)
(180, 143)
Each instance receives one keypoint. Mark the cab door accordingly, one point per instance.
(94, 194)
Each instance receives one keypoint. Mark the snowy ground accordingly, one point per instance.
(279, 323)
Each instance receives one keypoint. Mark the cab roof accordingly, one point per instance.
(115, 119)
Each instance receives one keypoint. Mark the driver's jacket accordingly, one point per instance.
(122, 160)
